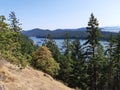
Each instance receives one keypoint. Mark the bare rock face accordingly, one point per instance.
(14, 78)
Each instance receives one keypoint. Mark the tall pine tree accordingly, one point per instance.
(14, 22)
(91, 50)
(116, 64)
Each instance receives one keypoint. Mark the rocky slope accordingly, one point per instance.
(14, 78)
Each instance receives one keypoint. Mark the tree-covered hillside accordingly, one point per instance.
(88, 66)
(60, 33)
(14, 46)
(81, 66)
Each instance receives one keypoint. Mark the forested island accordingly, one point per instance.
(73, 33)
(82, 67)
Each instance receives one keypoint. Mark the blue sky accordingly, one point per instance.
(54, 14)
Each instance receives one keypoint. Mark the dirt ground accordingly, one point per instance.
(14, 78)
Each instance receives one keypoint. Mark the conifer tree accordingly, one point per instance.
(79, 74)
(116, 64)
(5, 35)
(8, 44)
(93, 35)
(14, 22)
(51, 44)
(92, 45)
(66, 63)
(77, 51)
(110, 62)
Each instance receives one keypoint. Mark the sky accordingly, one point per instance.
(62, 14)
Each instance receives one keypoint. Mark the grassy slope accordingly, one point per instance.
(14, 78)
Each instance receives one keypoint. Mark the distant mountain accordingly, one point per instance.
(58, 33)
(73, 33)
(111, 29)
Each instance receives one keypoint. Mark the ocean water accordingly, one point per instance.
(59, 42)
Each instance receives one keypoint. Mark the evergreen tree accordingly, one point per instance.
(67, 46)
(14, 22)
(51, 44)
(101, 68)
(116, 64)
(110, 61)
(5, 35)
(93, 35)
(22, 43)
(8, 44)
(66, 63)
(14, 47)
(92, 45)
(77, 51)
(15, 29)
(79, 73)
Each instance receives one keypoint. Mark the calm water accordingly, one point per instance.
(59, 42)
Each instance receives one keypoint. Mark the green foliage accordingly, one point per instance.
(79, 73)
(14, 22)
(14, 58)
(51, 44)
(95, 55)
(116, 63)
(84, 67)
(26, 47)
(87, 66)
(93, 35)
(65, 69)
(67, 46)
(43, 60)
(14, 47)
(76, 50)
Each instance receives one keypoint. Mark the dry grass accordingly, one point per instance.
(14, 78)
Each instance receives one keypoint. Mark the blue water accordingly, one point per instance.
(59, 42)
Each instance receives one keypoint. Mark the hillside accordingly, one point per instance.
(61, 33)
(14, 78)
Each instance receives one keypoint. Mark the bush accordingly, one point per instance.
(44, 61)
(15, 58)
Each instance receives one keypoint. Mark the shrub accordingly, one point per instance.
(44, 61)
